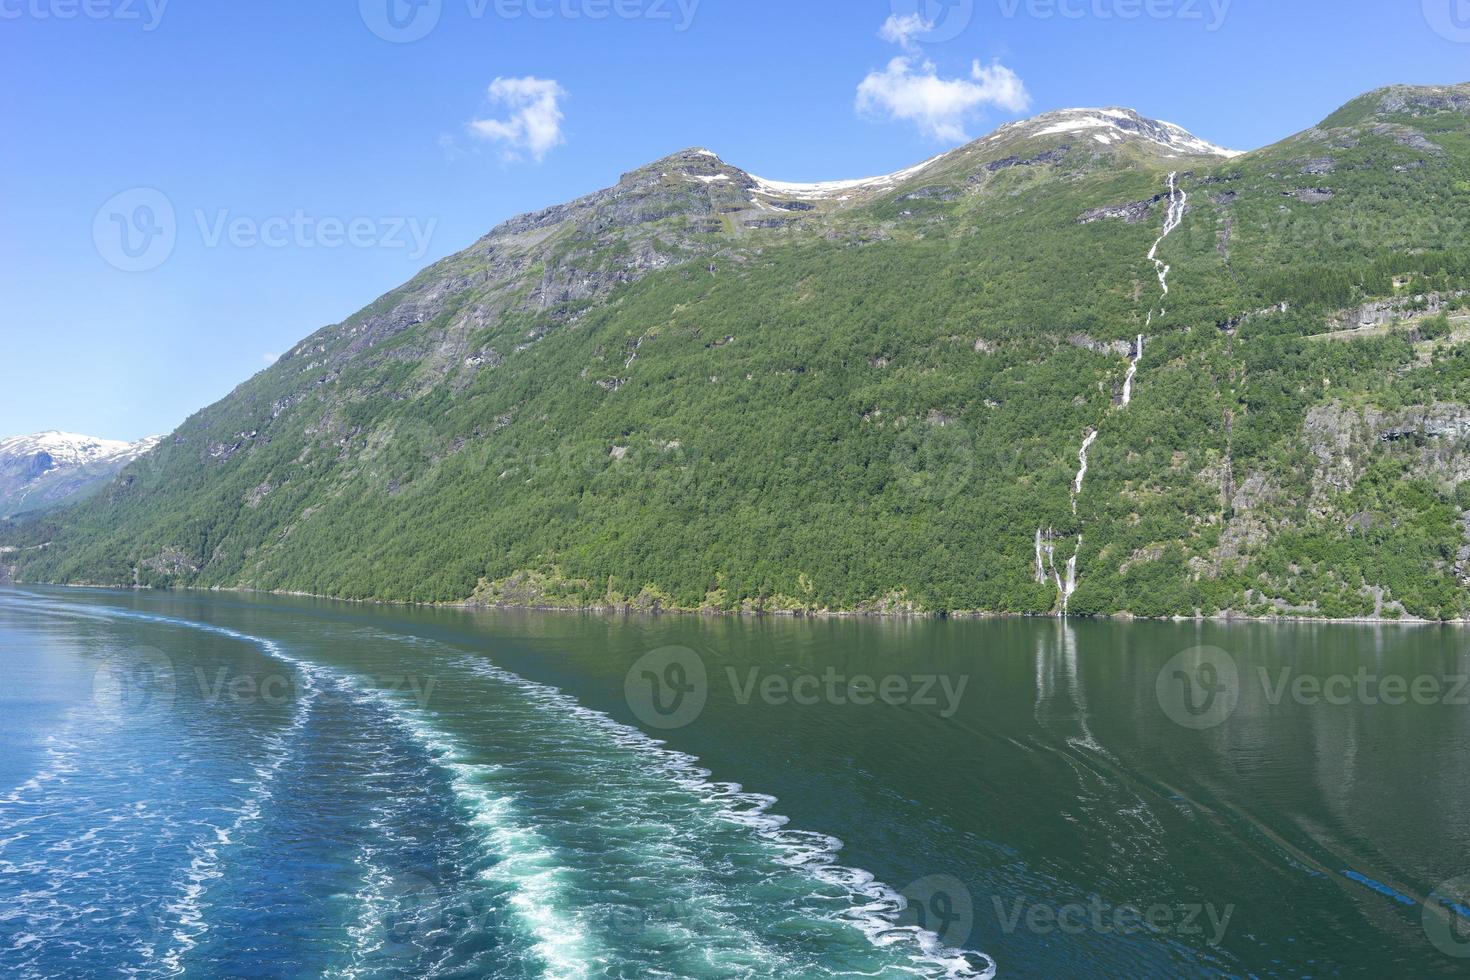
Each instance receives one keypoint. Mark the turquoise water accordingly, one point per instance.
(197, 785)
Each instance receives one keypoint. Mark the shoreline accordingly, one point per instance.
(655, 610)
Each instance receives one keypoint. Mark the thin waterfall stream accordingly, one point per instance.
(1046, 567)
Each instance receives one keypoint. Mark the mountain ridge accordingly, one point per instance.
(698, 389)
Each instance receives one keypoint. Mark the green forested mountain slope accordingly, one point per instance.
(700, 389)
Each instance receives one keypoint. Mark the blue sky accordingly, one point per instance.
(310, 164)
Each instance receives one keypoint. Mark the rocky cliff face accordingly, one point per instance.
(1432, 442)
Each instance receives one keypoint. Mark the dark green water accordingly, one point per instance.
(217, 785)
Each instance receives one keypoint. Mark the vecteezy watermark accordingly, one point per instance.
(650, 922)
(406, 21)
(1446, 918)
(1450, 19)
(134, 686)
(945, 20)
(401, 21)
(1365, 688)
(143, 683)
(941, 905)
(225, 685)
(1211, 13)
(148, 13)
(933, 460)
(302, 230)
(1099, 917)
(1199, 688)
(835, 688)
(138, 230)
(669, 688)
(406, 909)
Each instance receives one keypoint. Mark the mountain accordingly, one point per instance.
(52, 468)
(1090, 363)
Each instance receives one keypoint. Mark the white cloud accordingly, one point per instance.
(534, 124)
(910, 89)
(902, 30)
(270, 358)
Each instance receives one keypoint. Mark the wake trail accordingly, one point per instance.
(526, 863)
(869, 906)
(187, 909)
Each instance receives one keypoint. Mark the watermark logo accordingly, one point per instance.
(1199, 688)
(668, 688)
(1446, 918)
(1365, 688)
(401, 21)
(1450, 19)
(835, 688)
(1099, 917)
(945, 19)
(1211, 13)
(406, 21)
(410, 908)
(144, 925)
(134, 686)
(148, 13)
(226, 686)
(934, 461)
(941, 905)
(643, 923)
(136, 231)
(300, 229)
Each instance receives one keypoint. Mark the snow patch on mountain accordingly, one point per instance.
(51, 468)
(70, 449)
(1114, 124)
(835, 188)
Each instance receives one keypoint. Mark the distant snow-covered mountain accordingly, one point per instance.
(1119, 125)
(45, 470)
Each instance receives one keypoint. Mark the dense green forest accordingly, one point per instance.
(874, 406)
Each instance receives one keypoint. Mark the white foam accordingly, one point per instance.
(523, 861)
(873, 906)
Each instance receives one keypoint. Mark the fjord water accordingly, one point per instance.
(208, 785)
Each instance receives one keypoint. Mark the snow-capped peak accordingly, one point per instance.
(71, 449)
(1116, 125)
(1105, 127)
(839, 188)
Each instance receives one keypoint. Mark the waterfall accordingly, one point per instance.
(1178, 205)
(1132, 372)
(1045, 546)
(1082, 473)
(1071, 584)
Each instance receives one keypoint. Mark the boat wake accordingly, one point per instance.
(871, 907)
(590, 849)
